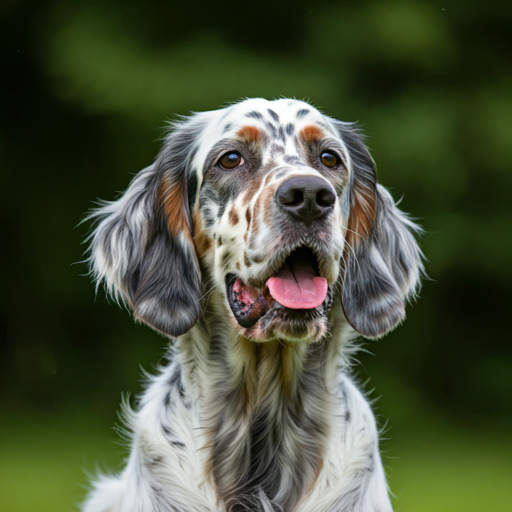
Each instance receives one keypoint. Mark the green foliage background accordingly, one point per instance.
(88, 87)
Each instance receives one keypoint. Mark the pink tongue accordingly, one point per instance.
(297, 288)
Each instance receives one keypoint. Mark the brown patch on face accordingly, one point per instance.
(253, 188)
(219, 241)
(248, 218)
(233, 216)
(201, 241)
(311, 134)
(258, 259)
(246, 260)
(250, 134)
(362, 214)
(267, 205)
(172, 198)
(255, 226)
(238, 267)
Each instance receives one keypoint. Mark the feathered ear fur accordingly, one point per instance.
(142, 246)
(383, 263)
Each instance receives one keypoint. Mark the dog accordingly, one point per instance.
(261, 244)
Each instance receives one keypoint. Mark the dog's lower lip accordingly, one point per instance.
(248, 304)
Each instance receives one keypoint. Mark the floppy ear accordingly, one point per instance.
(383, 263)
(142, 245)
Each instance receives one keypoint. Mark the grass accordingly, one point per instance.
(452, 471)
(44, 460)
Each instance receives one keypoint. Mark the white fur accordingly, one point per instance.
(351, 478)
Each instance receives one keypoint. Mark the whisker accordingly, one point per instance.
(210, 290)
(355, 232)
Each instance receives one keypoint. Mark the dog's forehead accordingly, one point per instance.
(276, 119)
(269, 116)
(264, 111)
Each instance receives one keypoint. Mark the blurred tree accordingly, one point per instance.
(89, 84)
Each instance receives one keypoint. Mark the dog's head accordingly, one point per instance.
(274, 205)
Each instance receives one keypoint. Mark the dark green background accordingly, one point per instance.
(87, 88)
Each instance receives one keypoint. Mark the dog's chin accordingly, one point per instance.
(288, 325)
(292, 304)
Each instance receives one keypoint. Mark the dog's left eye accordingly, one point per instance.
(231, 160)
(329, 159)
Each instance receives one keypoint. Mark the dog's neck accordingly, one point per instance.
(265, 408)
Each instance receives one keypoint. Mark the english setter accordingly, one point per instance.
(261, 244)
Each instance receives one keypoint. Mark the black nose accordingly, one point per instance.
(307, 198)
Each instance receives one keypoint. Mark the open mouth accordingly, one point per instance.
(297, 285)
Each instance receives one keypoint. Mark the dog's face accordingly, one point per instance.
(281, 206)
(273, 177)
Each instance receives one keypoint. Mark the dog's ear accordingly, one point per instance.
(142, 245)
(383, 263)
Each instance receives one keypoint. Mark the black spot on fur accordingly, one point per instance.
(281, 134)
(192, 190)
(273, 115)
(276, 149)
(154, 461)
(226, 258)
(208, 218)
(175, 381)
(291, 159)
(255, 115)
(303, 112)
(289, 129)
(224, 196)
(171, 439)
(272, 129)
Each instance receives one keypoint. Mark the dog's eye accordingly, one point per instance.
(231, 160)
(329, 159)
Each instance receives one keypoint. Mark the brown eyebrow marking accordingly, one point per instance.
(250, 134)
(310, 134)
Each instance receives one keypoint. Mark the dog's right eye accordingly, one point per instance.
(231, 160)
